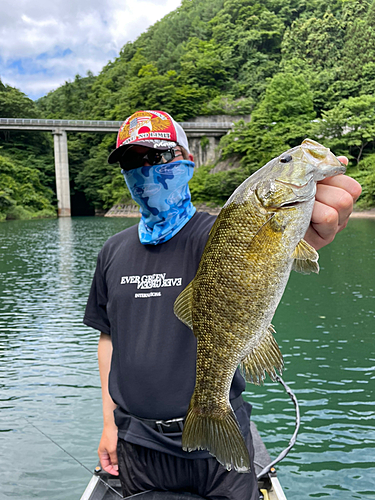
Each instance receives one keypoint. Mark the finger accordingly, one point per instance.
(334, 199)
(323, 227)
(343, 159)
(324, 220)
(344, 182)
(112, 469)
(312, 237)
(106, 463)
(104, 459)
(114, 462)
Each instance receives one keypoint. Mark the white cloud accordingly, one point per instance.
(43, 43)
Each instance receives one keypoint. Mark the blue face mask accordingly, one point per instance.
(163, 194)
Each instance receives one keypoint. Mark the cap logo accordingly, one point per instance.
(145, 125)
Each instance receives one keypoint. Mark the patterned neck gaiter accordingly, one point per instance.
(162, 191)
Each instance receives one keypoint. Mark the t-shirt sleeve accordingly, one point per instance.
(96, 308)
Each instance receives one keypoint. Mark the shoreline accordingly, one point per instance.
(356, 214)
(365, 214)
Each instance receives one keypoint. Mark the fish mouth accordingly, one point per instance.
(295, 186)
(301, 194)
(290, 204)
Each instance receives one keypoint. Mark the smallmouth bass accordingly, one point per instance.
(253, 245)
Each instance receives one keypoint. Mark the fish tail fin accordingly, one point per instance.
(220, 436)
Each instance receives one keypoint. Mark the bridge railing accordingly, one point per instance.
(100, 123)
(59, 123)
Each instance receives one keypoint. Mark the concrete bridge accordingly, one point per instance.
(203, 150)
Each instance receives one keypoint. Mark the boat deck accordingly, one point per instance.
(269, 486)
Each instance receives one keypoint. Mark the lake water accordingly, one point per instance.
(49, 376)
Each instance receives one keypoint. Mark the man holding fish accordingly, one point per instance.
(174, 417)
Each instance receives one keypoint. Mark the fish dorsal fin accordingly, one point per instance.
(305, 258)
(183, 306)
(265, 357)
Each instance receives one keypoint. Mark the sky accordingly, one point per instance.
(44, 43)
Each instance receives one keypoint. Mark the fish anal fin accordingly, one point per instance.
(265, 357)
(221, 436)
(305, 258)
(183, 306)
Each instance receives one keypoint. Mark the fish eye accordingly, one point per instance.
(286, 159)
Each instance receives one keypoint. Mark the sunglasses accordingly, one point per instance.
(152, 157)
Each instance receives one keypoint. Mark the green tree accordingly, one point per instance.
(22, 195)
(31, 148)
(214, 188)
(15, 104)
(318, 41)
(70, 101)
(150, 90)
(249, 35)
(281, 121)
(102, 184)
(349, 126)
(359, 47)
(202, 64)
(364, 173)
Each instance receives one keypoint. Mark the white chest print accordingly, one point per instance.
(148, 281)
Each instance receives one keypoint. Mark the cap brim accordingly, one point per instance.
(116, 154)
(120, 152)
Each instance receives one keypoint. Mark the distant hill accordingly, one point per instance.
(299, 68)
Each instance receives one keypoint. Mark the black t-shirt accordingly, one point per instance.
(154, 354)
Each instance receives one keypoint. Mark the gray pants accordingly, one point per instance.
(143, 469)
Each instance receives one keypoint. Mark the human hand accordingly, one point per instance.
(334, 201)
(107, 450)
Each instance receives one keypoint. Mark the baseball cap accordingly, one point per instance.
(152, 129)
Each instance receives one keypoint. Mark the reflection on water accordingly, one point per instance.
(48, 369)
(326, 330)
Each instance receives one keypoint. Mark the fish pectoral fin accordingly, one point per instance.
(304, 251)
(305, 266)
(220, 435)
(265, 357)
(305, 258)
(183, 306)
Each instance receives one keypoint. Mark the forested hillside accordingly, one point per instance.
(26, 163)
(301, 69)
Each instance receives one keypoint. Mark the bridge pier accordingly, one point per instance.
(62, 172)
(204, 152)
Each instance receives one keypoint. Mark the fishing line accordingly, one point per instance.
(71, 456)
(292, 441)
(263, 472)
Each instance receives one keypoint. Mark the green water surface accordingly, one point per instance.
(49, 376)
